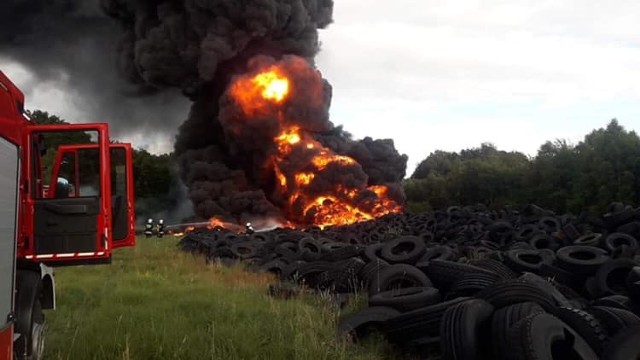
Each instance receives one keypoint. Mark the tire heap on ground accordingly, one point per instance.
(467, 283)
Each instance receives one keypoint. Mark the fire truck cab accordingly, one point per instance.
(86, 211)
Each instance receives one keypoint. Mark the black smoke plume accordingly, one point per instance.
(196, 46)
(70, 46)
(199, 46)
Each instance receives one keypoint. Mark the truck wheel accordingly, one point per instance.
(33, 342)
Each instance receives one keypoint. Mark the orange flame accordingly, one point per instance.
(215, 222)
(274, 87)
(265, 93)
(255, 94)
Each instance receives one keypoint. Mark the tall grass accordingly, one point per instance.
(155, 302)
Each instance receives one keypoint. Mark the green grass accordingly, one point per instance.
(155, 302)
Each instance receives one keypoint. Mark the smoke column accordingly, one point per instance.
(195, 47)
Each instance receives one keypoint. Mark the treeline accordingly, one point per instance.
(604, 167)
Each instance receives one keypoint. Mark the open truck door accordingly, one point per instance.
(74, 223)
(66, 179)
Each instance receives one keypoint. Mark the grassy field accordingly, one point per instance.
(155, 302)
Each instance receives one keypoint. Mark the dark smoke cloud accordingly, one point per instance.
(198, 46)
(72, 44)
(195, 47)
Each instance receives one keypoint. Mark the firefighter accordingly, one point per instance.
(249, 228)
(160, 231)
(148, 228)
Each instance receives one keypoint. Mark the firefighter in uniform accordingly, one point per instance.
(249, 228)
(160, 231)
(148, 228)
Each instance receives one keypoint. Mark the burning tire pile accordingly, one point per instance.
(467, 283)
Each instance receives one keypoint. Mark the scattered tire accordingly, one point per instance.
(580, 259)
(406, 299)
(463, 330)
(398, 276)
(544, 336)
(405, 249)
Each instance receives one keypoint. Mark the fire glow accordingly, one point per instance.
(264, 94)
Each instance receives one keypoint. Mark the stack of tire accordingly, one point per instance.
(468, 283)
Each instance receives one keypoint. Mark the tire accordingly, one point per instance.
(360, 324)
(544, 336)
(372, 252)
(274, 267)
(502, 321)
(549, 224)
(495, 266)
(543, 241)
(616, 301)
(547, 287)
(447, 272)
(470, 284)
(585, 324)
(617, 240)
(613, 319)
(610, 277)
(525, 260)
(243, 250)
(463, 330)
(405, 249)
(309, 273)
(370, 270)
(406, 299)
(592, 239)
(341, 253)
(398, 276)
(440, 252)
(509, 292)
(624, 346)
(632, 283)
(417, 324)
(343, 277)
(584, 260)
(31, 347)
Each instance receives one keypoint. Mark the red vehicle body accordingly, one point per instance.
(87, 212)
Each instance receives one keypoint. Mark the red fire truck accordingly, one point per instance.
(86, 212)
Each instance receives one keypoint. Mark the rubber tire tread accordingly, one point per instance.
(419, 323)
(406, 299)
(470, 284)
(447, 272)
(624, 346)
(585, 324)
(495, 266)
(509, 292)
(613, 319)
(460, 329)
(396, 272)
(521, 346)
(504, 319)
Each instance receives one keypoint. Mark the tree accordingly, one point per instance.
(603, 168)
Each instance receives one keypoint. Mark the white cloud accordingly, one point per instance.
(452, 74)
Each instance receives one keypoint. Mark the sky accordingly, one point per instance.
(449, 75)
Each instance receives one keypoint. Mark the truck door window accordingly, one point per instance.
(89, 172)
(119, 193)
(67, 173)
